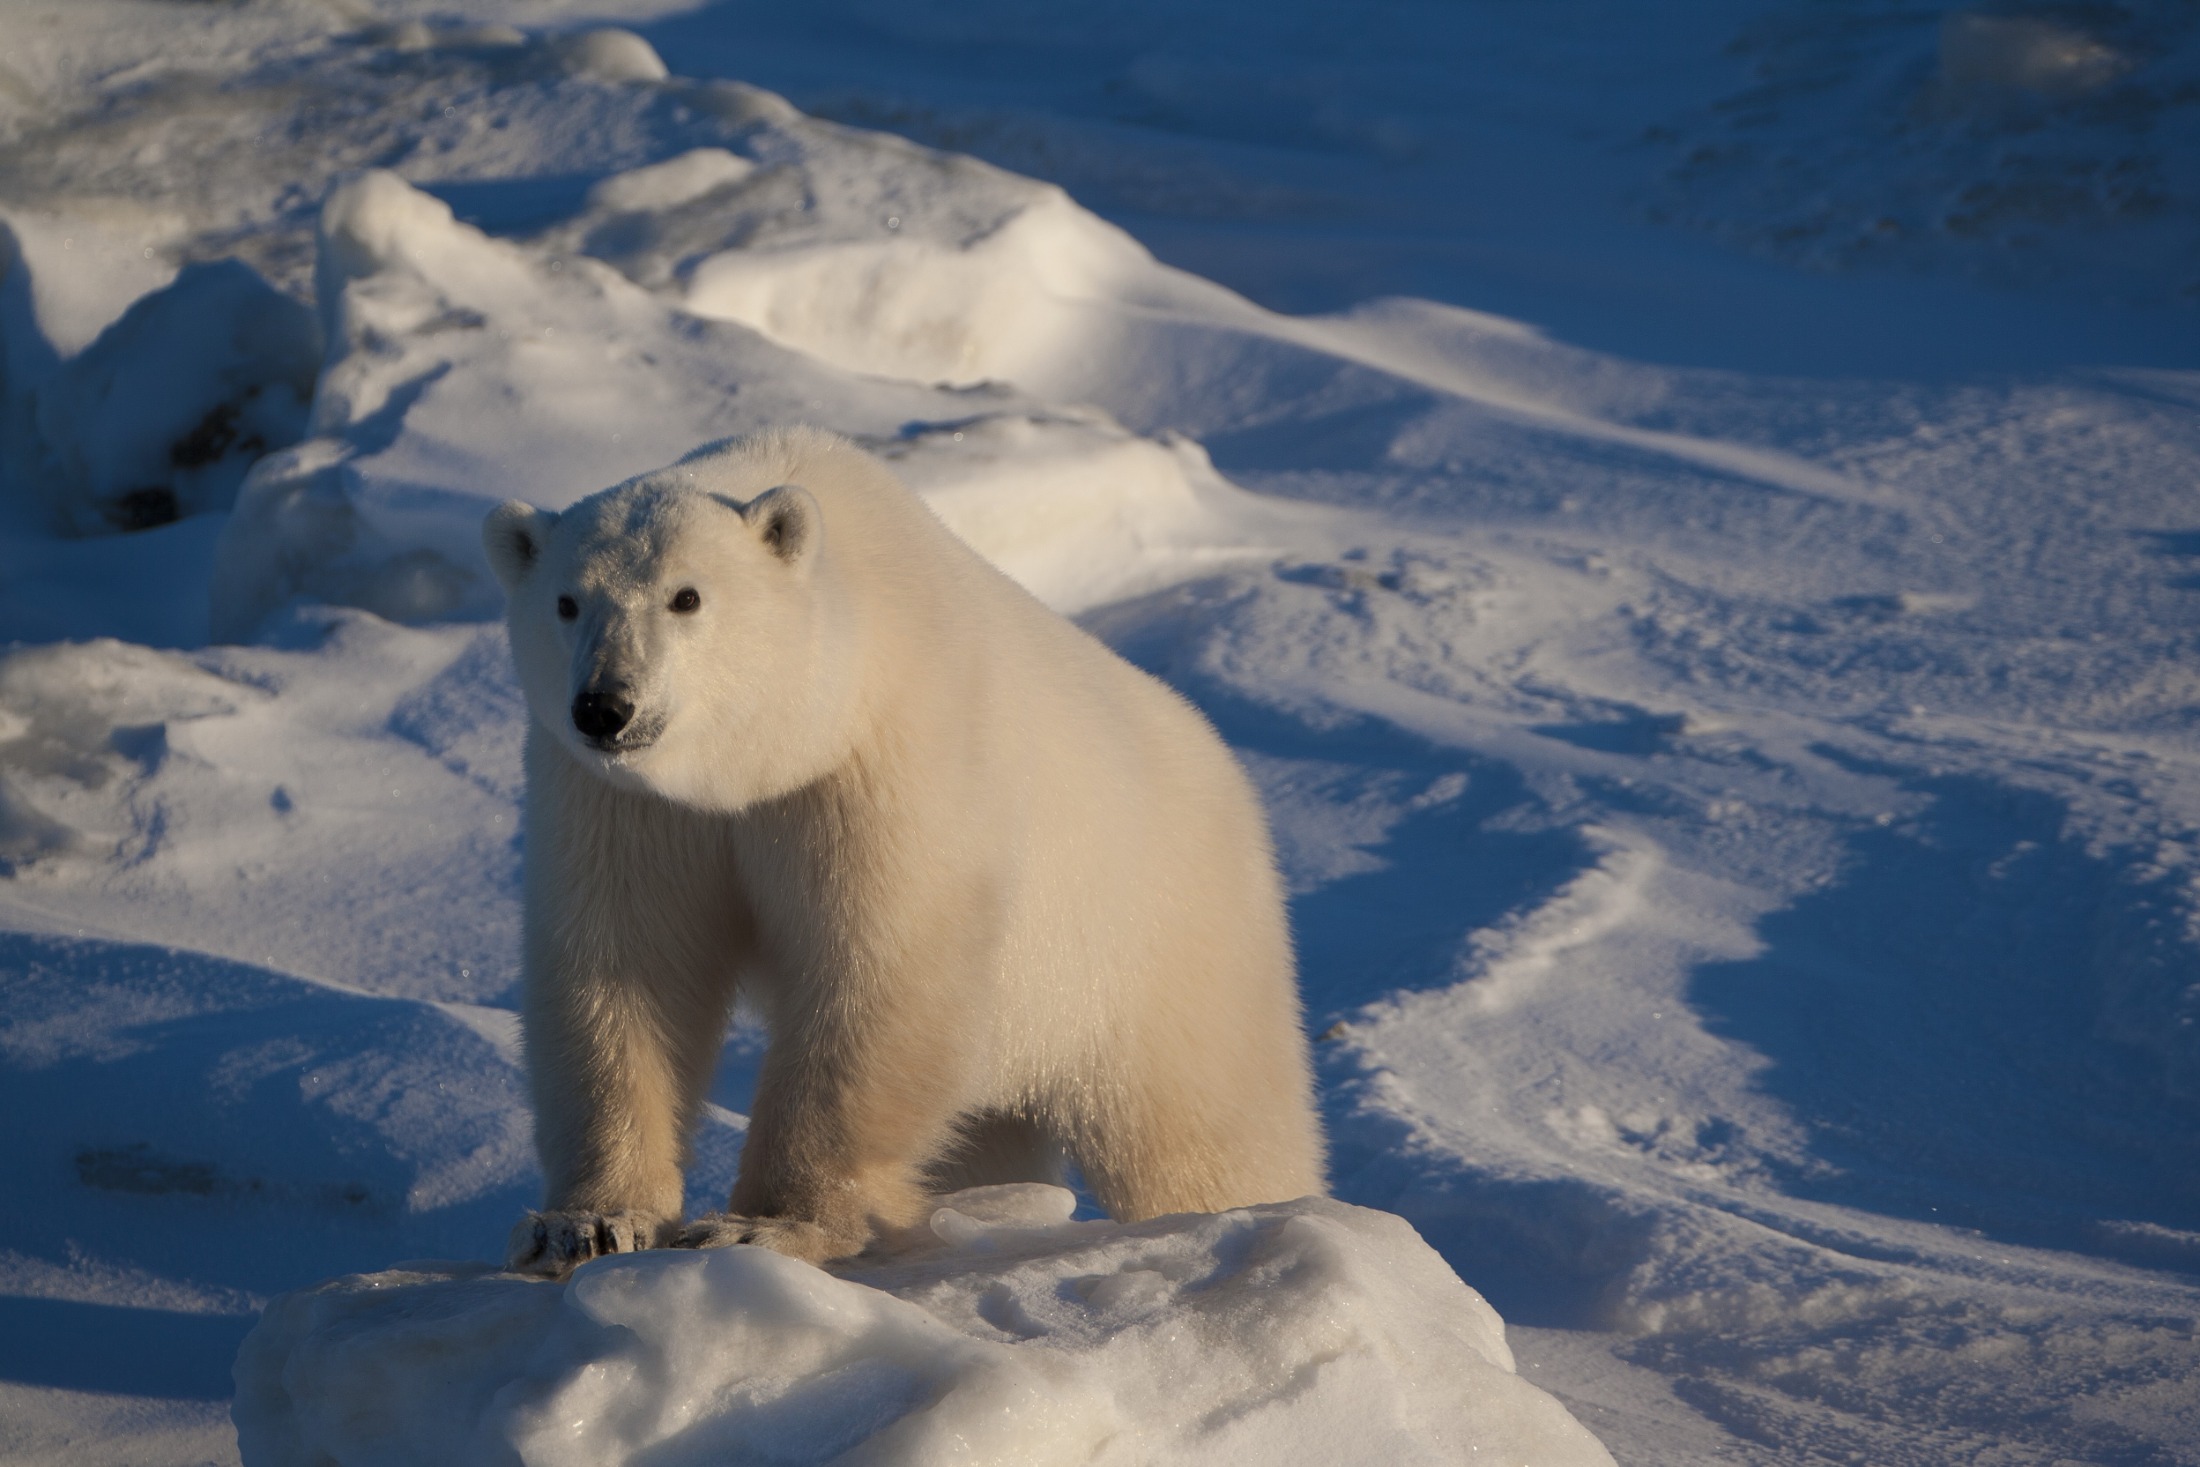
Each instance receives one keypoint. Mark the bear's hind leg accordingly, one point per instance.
(1179, 1148)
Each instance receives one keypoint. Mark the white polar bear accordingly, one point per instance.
(1000, 897)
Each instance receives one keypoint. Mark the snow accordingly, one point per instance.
(162, 415)
(1685, 512)
(1302, 1332)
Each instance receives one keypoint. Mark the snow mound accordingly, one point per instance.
(1000, 305)
(1310, 1331)
(163, 414)
(865, 253)
(608, 54)
(147, 794)
(464, 370)
(860, 249)
(1075, 508)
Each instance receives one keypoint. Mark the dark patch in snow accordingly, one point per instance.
(139, 1168)
(214, 437)
(144, 509)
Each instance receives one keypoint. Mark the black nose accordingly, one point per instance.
(601, 715)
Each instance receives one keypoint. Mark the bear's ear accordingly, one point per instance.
(787, 520)
(513, 537)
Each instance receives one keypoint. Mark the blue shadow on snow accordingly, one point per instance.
(1983, 1024)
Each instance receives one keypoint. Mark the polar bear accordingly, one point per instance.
(1001, 899)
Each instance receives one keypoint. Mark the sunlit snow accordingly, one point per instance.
(1686, 513)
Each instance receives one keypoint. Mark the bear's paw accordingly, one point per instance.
(557, 1242)
(792, 1236)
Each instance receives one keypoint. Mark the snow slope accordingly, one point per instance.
(1306, 1332)
(1730, 743)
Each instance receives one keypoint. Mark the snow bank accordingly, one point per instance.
(464, 370)
(861, 249)
(1311, 1332)
(887, 260)
(366, 773)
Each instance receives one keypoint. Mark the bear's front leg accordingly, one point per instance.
(616, 1082)
(846, 1116)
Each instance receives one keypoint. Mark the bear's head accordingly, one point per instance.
(679, 640)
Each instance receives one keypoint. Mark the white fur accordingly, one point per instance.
(1001, 897)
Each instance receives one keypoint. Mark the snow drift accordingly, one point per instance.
(1310, 1332)
(464, 370)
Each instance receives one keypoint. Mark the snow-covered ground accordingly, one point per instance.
(1307, 1332)
(1688, 513)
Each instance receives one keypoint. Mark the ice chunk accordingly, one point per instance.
(1307, 1332)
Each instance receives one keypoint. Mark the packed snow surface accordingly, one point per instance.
(1306, 1332)
(1686, 512)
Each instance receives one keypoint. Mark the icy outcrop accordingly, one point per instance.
(1310, 1332)
(607, 54)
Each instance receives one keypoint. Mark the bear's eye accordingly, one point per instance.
(686, 600)
(568, 608)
